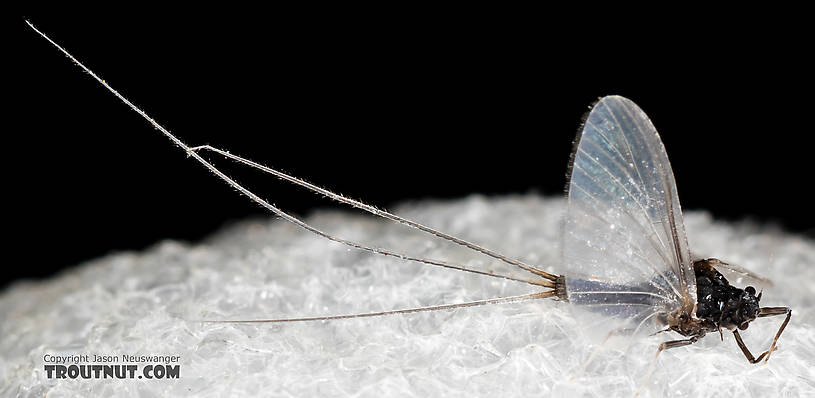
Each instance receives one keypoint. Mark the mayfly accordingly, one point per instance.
(624, 244)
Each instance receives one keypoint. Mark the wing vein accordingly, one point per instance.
(626, 209)
(654, 269)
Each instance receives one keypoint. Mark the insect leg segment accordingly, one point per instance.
(765, 311)
(675, 343)
(746, 351)
(772, 311)
(667, 345)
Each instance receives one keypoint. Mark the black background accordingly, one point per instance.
(382, 109)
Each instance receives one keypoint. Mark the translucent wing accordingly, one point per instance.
(740, 276)
(624, 239)
(736, 274)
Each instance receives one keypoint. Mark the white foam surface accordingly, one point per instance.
(148, 303)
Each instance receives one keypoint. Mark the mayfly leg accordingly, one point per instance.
(765, 311)
(666, 345)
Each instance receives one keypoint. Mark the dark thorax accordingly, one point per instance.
(719, 304)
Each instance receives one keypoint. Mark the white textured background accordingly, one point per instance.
(142, 303)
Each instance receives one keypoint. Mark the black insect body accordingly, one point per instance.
(723, 306)
(719, 303)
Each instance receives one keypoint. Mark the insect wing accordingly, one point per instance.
(736, 274)
(624, 239)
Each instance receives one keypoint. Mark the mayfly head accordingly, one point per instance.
(745, 310)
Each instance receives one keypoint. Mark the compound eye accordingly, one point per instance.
(744, 326)
(750, 289)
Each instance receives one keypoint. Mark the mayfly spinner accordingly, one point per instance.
(625, 253)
